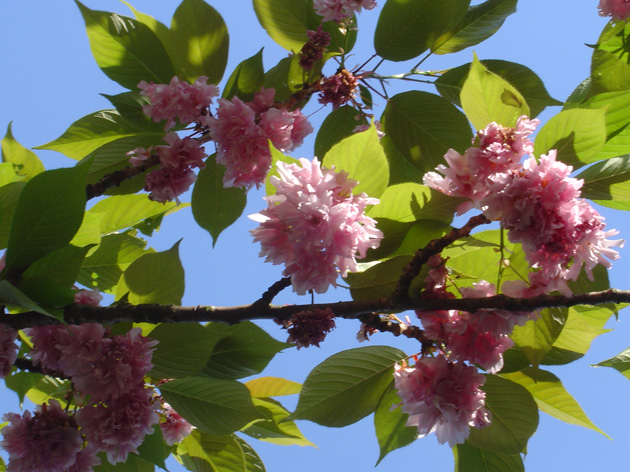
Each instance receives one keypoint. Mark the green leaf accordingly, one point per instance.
(215, 406)
(240, 350)
(390, 424)
(26, 162)
(339, 124)
(9, 196)
(203, 453)
(21, 382)
(469, 458)
(200, 35)
(481, 22)
(133, 464)
(214, 206)
(621, 363)
(607, 180)
(183, 350)
(616, 107)
(423, 126)
(287, 21)
(89, 233)
(9, 295)
(409, 202)
(610, 66)
(363, 158)
(61, 266)
(272, 387)
(536, 338)
(104, 267)
(514, 417)
(577, 134)
(125, 211)
(47, 215)
(378, 280)
(154, 278)
(50, 387)
(275, 429)
(486, 97)
(551, 397)
(246, 79)
(126, 50)
(347, 386)
(129, 106)
(153, 449)
(406, 29)
(89, 133)
(527, 82)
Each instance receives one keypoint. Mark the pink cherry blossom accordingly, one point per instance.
(88, 297)
(8, 349)
(179, 99)
(174, 427)
(618, 9)
(314, 223)
(120, 426)
(46, 441)
(442, 397)
(341, 9)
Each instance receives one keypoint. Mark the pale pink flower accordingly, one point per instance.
(285, 129)
(88, 297)
(339, 10)
(48, 342)
(314, 223)
(167, 185)
(619, 10)
(442, 397)
(8, 349)
(120, 426)
(377, 124)
(47, 441)
(86, 460)
(263, 100)
(174, 427)
(138, 155)
(178, 99)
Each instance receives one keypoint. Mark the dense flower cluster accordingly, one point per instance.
(338, 89)
(107, 371)
(178, 100)
(339, 10)
(314, 48)
(309, 328)
(537, 202)
(314, 223)
(442, 397)
(619, 10)
(242, 131)
(8, 349)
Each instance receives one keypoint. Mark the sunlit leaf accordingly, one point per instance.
(26, 162)
(390, 424)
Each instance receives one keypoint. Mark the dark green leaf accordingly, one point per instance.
(275, 429)
(240, 350)
(347, 386)
(339, 124)
(247, 78)
(610, 65)
(406, 29)
(469, 458)
(126, 50)
(423, 126)
(183, 350)
(201, 38)
(129, 106)
(616, 106)
(47, 215)
(607, 180)
(214, 206)
(9, 196)
(215, 406)
(481, 22)
(390, 424)
(514, 417)
(9, 295)
(153, 449)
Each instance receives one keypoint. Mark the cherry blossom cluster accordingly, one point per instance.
(314, 225)
(536, 201)
(242, 131)
(339, 10)
(442, 397)
(314, 48)
(309, 328)
(619, 10)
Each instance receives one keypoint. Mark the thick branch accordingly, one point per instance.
(77, 314)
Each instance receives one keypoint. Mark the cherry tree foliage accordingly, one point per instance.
(132, 378)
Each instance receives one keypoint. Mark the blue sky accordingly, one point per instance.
(49, 79)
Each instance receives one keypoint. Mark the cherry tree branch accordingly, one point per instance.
(148, 313)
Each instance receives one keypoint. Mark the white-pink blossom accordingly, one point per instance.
(174, 427)
(339, 10)
(619, 10)
(442, 397)
(314, 225)
(88, 297)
